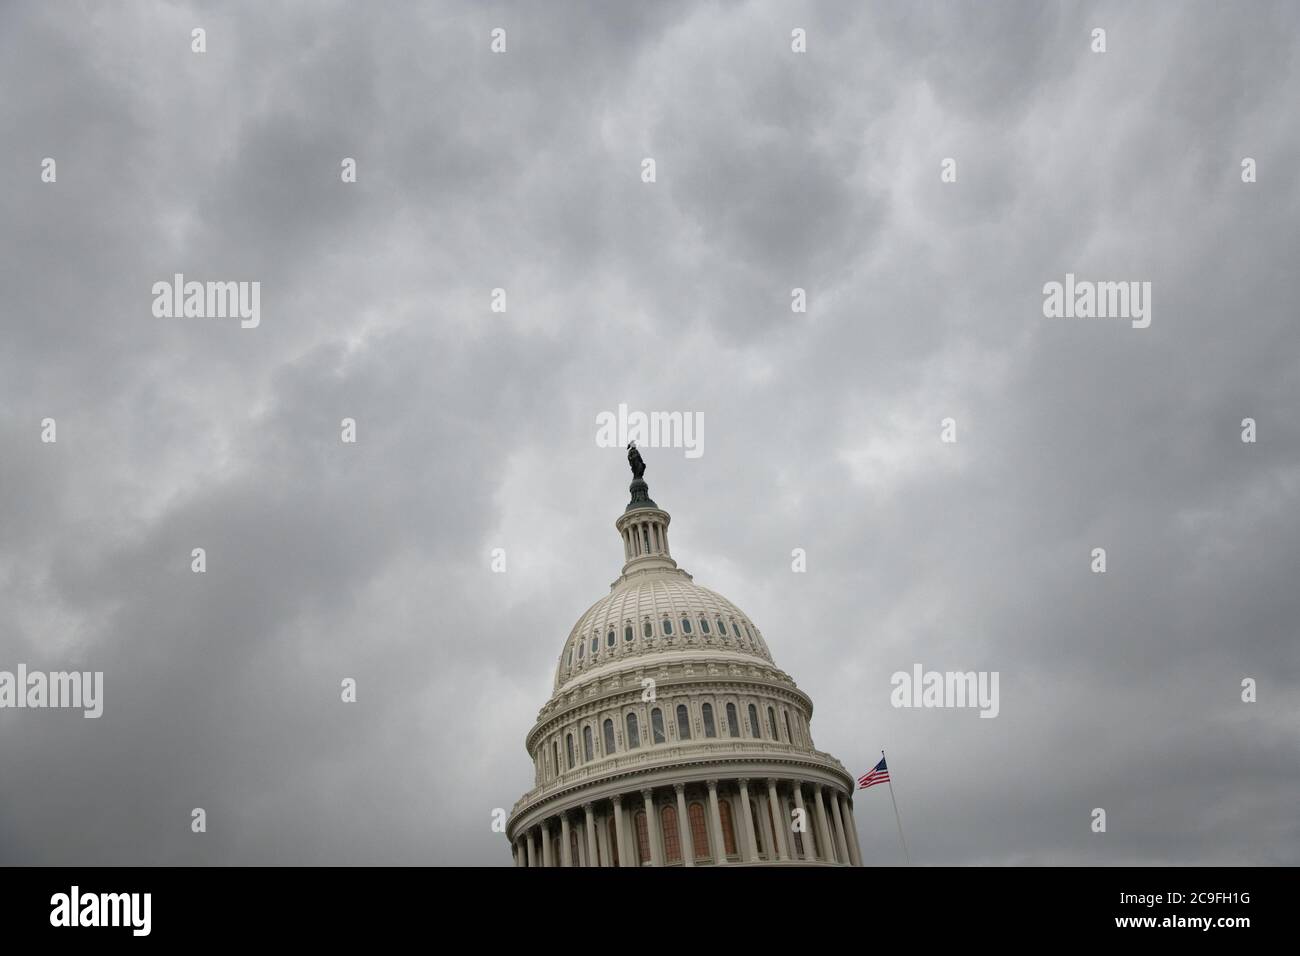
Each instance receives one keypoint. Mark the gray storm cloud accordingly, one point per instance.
(476, 430)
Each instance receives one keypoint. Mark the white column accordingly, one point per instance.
(841, 839)
(602, 840)
(786, 832)
(652, 827)
(684, 838)
(532, 849)
(823, 825)
(546, 845)
(855, 851)
(805, 836)
(592, 856)
(720, 844)
(765, 827)
(623, 859)
(751, 845)
(779, 826)
(566, 854)
(853, 831)
(521, 852)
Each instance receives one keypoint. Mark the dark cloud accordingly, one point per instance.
(476, 429)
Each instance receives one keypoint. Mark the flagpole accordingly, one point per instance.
(907, 856)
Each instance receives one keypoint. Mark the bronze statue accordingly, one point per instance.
(635, 461)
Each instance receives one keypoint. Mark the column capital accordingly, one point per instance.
(744, 783)
(713, 785)
(771, 781)
(617, 799)
(647, 794)
(680, 787)
(589, 807)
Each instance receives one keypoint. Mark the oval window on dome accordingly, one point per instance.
(722, 628)
(628, 634)
(704, 625)
(648, 629)
(595, 644)
(686, 625)
(668, 627)
(609, 638)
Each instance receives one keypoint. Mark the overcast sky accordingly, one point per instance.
(476, 430)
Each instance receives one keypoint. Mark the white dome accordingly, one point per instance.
(678, 613)
(671, 738)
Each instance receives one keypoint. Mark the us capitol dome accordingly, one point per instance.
(671, 737)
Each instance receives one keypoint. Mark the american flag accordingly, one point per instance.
(878, 774)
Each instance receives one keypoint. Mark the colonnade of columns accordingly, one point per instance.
(796, 821)
(641, 538)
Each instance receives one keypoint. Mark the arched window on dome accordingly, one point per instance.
(642, 838)
(686, 625)
(568, 658)
(771, 723)
(722, 628)
(788, 735)
(645, 536)
(683, 723)
(588, 750)
(609, 736)
(633, 733)
(648, 629)
(609, 638)
(595, 644)
(728, 828)
(555, 750)
(755, 727)
(733, 725)
(628, 633)
(710, 728)
(568, 748)
(749, 636)
(672, 838)
(668, 628)
(735, 628)
(581, 647)
(704, 625)
(699, 831)
(657, 726)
